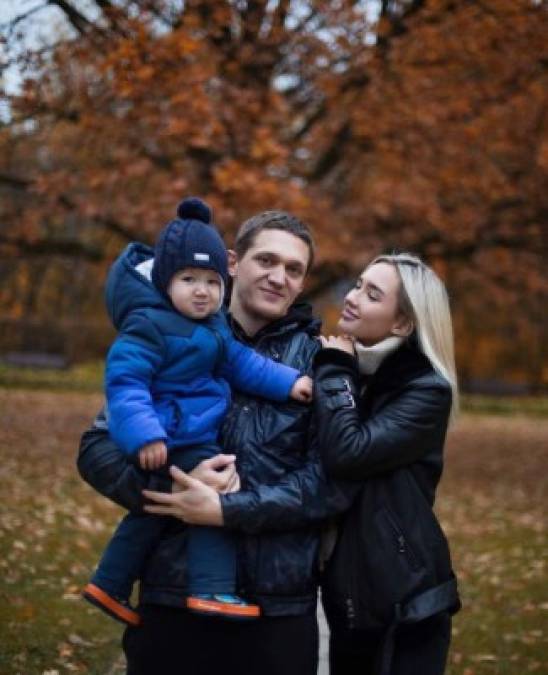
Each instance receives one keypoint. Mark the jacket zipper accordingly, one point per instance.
(403, 545)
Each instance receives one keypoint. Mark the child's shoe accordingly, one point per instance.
(117, 608)
(222, 604)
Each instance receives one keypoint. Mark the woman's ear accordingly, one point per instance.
(403, 327)
(232, 262)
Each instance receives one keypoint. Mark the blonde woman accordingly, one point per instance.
(384, 394)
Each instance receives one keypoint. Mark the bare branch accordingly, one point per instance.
(11, 25)
(280, 14)
(77, 20)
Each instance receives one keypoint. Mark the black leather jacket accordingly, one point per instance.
(391, 563)
(284, 497)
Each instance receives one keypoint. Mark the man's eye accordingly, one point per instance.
(373, 296)
(265, 259)
(294, 271)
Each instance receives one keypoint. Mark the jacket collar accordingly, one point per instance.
(400, 366)
(299, 317)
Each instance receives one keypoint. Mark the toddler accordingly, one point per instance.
(167, 380)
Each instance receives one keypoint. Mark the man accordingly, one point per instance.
(283, 495)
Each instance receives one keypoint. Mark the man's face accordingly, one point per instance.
(269, 276)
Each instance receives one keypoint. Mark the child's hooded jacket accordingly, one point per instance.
(168, 377)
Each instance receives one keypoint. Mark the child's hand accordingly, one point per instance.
(153, 455)
(302, 389)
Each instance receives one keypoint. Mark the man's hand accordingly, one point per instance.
(153, 455)
(343, 342)
(218, 472)
(195, 502)
(302, 389)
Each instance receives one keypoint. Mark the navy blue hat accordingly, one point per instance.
(189, 241)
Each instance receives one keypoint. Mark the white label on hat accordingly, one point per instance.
(203, 257)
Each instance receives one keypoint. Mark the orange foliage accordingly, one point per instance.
(424, 127)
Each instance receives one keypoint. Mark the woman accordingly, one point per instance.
(384, 394)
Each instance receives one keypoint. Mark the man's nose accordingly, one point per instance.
(276, 275)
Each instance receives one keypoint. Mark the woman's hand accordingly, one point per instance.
(194, 502)
(219, 472)
(343, 342)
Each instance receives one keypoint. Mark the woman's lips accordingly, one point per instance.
(347, 315)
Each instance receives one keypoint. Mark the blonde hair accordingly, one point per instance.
(423, 299)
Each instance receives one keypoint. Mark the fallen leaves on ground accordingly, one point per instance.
(492, 503)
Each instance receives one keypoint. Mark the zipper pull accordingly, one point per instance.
(401, 543)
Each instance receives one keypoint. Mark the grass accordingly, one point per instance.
(491, 502)
(85, 377)
(88, 377)
(532, 406)
(52, 528)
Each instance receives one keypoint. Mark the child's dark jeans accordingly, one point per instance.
(210, 554)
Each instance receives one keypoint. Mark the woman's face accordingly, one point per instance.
(370, 310)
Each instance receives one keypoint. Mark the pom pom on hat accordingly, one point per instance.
(195, 209)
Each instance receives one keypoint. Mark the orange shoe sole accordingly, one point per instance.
(223, 608)
(108, 604)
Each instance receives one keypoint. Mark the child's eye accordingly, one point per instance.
(214, 282)
(187, 279)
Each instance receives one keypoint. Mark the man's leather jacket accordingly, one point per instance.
(284, 497)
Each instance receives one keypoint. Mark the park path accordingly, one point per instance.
(324, 642)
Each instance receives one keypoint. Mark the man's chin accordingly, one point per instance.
(271, 311)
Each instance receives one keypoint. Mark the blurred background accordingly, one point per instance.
(412, 124)
(416, 125)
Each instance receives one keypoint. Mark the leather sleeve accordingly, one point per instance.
(111, 472)
(353, 448)
(302, 497)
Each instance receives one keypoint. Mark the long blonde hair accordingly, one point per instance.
(423, 299)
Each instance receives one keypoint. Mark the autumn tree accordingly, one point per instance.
(416, 124)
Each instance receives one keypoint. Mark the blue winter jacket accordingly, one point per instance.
(168, 377)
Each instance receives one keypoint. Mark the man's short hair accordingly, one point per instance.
(273, 220)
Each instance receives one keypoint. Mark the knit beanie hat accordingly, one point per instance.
(189, 241)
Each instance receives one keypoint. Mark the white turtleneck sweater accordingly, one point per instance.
(370, 358)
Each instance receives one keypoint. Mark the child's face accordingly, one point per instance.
(195, 292)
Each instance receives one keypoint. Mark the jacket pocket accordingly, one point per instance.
(401, 541)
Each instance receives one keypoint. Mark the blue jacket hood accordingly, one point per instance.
(127, 289)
